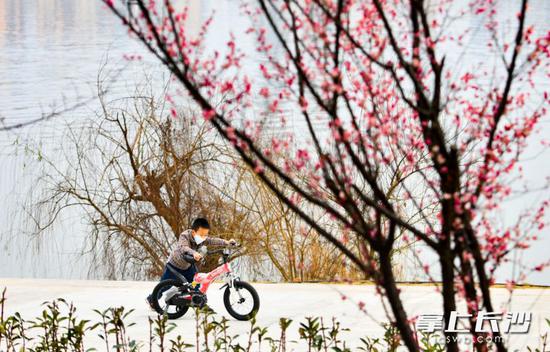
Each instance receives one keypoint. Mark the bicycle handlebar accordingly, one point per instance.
(191, 259)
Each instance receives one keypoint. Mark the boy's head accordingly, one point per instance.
(200, 227)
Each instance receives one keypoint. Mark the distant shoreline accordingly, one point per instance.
(321, 282)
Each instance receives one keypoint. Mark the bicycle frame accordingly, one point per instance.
(205, 279)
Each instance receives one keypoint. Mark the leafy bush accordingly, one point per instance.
(58, 328)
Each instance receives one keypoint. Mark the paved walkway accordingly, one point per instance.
(295, 301)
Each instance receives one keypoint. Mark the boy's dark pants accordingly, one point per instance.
(188, 273)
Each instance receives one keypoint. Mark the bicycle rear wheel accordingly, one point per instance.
(162, 298)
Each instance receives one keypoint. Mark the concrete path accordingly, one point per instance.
(294, 301)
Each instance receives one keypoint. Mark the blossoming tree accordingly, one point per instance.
(390, 127)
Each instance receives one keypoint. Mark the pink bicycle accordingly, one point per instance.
(174, 297)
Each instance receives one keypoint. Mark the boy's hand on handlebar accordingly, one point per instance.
(197, 256)
(232, 242)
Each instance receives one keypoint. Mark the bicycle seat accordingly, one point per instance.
(175, 272)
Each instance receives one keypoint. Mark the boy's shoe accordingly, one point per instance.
(149, 303)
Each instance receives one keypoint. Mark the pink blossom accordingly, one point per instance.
(258, 169)
(264, 92)
(208, 114)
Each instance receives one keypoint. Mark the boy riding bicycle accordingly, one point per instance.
(188, 243)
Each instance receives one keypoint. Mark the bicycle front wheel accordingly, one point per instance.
(241, 301)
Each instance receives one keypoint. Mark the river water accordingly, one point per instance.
(50, 54)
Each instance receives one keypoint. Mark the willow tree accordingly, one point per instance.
(139, 177)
